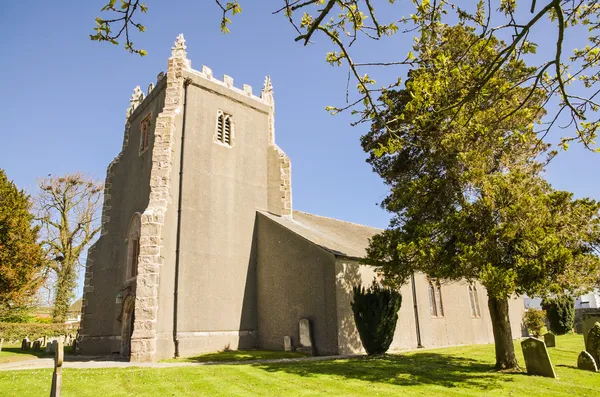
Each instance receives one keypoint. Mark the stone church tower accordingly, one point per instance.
(200, 249)
(174, 269)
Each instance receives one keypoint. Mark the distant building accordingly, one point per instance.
(587, 301)
(200, 249)
(74, 312)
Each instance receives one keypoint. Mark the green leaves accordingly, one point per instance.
(125, 12)
(466, 186)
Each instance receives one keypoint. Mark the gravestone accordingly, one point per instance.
(37, 345)
(305, 344)
(45, 341)
(24, 343)
(593, 342)
(550, 340)
(1, 343)
(537, 360)
(586, 361)
(287, 343)
(50, 346)
(57, 375)
(587, 324)
(28, 345)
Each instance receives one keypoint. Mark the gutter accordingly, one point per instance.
(414, 294)
(186, 83)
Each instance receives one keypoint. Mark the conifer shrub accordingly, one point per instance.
(376, 314)
(561, 313)
(593, 342)
(534, 321)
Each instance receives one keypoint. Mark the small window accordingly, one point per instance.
(224, 133)
(133, 247)
(145, 132)
(474, 301)
(436, 307)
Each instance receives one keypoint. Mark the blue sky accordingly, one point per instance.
(64, 97)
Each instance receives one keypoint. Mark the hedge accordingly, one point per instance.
(18, 331)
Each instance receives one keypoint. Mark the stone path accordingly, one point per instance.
(103, 362)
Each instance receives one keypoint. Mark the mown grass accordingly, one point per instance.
(237, 355)
(11, 353)
(458, 371)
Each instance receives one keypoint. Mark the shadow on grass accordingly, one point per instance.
(418, 369)
(240, 355)
(18, 351)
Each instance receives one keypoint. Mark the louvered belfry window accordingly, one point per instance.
(224, 133)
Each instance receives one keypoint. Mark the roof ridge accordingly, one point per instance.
(338, 220)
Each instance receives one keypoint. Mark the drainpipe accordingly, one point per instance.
(186, 83)
(414, 293)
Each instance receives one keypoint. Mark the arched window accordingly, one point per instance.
(133, 246)
(474, 300)
(224, 133)
(436, 307)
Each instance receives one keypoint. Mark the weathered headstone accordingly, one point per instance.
(305, 343)
(28, 345)
(24, 343)
(50, 346)
(586, 361)
(37, 345)
(587, 324)
(45, 341)
(550, 340)
(593, 342)
(287, 343)
(57, 375)
(537, 360)
(1, 343)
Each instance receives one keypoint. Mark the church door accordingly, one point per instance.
(127, 319)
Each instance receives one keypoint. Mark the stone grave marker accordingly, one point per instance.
(593, 342)
(57, 375)
(1, 343)
(586, 361)
(24, 343)
(37, 345)
(305, 345)
(587, 324)
(537, 360)
(45, 341)
(287, 343)
(50, 346)
(550, 339)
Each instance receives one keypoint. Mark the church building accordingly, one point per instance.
(201, 250)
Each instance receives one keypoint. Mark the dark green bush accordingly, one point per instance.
(376, 314)
(18, 331)
(561, 314)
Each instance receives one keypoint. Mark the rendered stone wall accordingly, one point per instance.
(295, 280)
(456, 327)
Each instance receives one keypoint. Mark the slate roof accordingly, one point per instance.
(343, 239)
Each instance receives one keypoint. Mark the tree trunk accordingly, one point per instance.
(505, 350)
(65, 289)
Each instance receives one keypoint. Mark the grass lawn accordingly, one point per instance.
(237, 355)
(458, 371)
(10, 354)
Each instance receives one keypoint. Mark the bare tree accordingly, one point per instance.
(68, 212)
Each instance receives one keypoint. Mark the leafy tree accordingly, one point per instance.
(561, 313)
(534, 321)
(21, 257)
(468, 193)
(68, 211)
(376, 315)
(569, 71)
